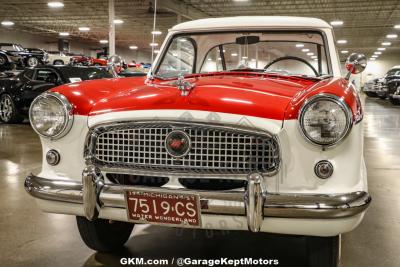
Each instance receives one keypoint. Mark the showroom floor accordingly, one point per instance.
(31, 238)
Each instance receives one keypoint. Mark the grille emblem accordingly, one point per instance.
(177, 144)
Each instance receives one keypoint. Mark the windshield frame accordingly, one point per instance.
(170, 39)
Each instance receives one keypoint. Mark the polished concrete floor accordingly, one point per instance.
(31, 238)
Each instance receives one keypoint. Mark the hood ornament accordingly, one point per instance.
(184, 85)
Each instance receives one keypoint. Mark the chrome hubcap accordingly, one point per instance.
(2, 61)
(32, 62)
(6, 108)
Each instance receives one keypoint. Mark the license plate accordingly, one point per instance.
(172, 209)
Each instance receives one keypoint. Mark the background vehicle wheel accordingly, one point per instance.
(8, 112)
(103, 235)
(394, 101)
(58, 62)
(32, 62)
(370, 94)
(97, 64)
(382, 96)
(322, 251)
(3, 61)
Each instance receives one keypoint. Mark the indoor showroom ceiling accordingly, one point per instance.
(365, 23)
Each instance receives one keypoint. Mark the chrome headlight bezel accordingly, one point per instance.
(67, 111)
(327, 97)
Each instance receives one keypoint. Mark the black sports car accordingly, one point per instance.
(392, 81)
(17, 93)
(15, 54)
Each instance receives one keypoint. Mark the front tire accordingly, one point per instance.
(8, 111)
(394, 101)
(32, 62)
(104, 235)
(370, 94)
(323, 251)
(58, 62)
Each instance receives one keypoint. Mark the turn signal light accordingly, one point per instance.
(323, 169)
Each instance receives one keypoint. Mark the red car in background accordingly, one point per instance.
(99, 61)
(80, 60)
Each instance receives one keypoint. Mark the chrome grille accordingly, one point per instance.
(214, 149)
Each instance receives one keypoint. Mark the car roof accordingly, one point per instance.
(252, 22)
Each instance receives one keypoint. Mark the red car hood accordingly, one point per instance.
(256, 95)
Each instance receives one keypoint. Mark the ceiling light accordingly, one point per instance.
(299, 45)
(209, 59)
(153, 44)
(342, 41)
(234, 54)
(372, 59)
(7, 23)
(156, 32)
(377, 53)
(374, 56)
(386, 43)
(118, 21)
(55, 4)
(244, 57)
(314, 57)
(336, 23)
(64, 33)
(344, 52)
(391, 36)
(310, 54)
(104, 41)
(381, 49)
(157, 51)
(133, 47)
(305, 50)
(84, 29)
(397, 26)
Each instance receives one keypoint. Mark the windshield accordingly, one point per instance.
(394, 72)
(291, 53)
(12, 47)
(83, 73)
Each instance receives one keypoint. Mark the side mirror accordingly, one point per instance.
(355, 63)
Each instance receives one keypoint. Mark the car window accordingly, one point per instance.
(28, 74)
(179, 58)
(47, 75)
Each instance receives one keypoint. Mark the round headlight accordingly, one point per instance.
(325, 120)
(50, 115)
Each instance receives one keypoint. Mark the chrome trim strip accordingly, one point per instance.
(312, 206)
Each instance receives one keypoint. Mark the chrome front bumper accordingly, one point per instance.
(254, 203)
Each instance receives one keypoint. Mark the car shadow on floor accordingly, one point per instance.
(166, 243)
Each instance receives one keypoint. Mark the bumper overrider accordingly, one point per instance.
(254, 203)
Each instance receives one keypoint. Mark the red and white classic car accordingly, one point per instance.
(242, 123)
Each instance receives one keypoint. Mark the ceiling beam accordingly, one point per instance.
(182, 9)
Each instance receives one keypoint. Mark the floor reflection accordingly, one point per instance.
(153, 242)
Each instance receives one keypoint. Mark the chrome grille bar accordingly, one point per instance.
(214, 149)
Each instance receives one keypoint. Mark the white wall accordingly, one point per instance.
(378, 68)
(49, 43)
